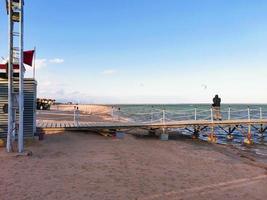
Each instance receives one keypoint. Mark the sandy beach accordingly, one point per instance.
(82, 165)
(85, 165)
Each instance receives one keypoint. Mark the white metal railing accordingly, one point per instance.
(154, 115)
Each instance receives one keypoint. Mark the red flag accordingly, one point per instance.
(28, 57)
(3, 66)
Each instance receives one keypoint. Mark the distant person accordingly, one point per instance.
(76, 115)
(119, 109)
(216, 107)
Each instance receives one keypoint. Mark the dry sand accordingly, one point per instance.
(88, 113)
(87, 166)
(89, 109)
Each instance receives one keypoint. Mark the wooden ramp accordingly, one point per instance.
(52, 125)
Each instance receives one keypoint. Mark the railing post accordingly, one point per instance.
(74, 115)
(78, 116)
(163, 116)
(229, 113)
(112, 113)
(119, 109)
(211, 114)
(195, 114)
(151, 119)
(248, 113)
(260, 113)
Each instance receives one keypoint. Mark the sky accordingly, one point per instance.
(146, 51)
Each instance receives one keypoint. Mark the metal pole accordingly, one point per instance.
(211, 115)
(34, 63)
(21, 83)
(260, 113)
(249, 132)
(10, 78)
(78, 116)
(195, 113)
(248, 113)
(229, 113)
(119, 114)
(163, 116)
(74, 115)
(151, 120)
(112, 113)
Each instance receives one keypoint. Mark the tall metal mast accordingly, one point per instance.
(15, 29)
(10, 78)
(21, 79)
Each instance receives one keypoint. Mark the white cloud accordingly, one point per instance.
(56, 60)
(39, 63)
(43, 62)
(109, 72)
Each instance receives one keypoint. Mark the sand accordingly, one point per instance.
(89, 109)
(88, 113)
(73, 166)
(83, 165)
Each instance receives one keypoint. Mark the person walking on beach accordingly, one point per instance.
(216, 107)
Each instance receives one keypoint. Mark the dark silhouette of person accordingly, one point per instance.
(216, 107)
(216, 101)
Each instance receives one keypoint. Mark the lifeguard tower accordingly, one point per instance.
(17, 94)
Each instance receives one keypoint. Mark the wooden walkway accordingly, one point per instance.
(52, 125)
(60, 121)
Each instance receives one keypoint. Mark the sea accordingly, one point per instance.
(155, 113)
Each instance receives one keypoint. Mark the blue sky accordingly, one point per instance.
(147, 51)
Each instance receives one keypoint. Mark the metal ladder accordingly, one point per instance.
(15, 98)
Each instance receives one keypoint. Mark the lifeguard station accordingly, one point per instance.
(17, 94)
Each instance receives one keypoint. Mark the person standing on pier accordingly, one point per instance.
(216, 107)
(76, 115)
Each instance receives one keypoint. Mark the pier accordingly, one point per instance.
(192, 121)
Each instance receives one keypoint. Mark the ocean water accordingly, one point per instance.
(190, 111)
(174, 112)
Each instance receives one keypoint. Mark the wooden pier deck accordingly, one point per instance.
(71, 126)
(65, 121)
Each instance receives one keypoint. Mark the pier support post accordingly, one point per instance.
(212, 137)
(229, 134)
(196, 133)
(248, 140)
(164, 136)
(261, 131)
